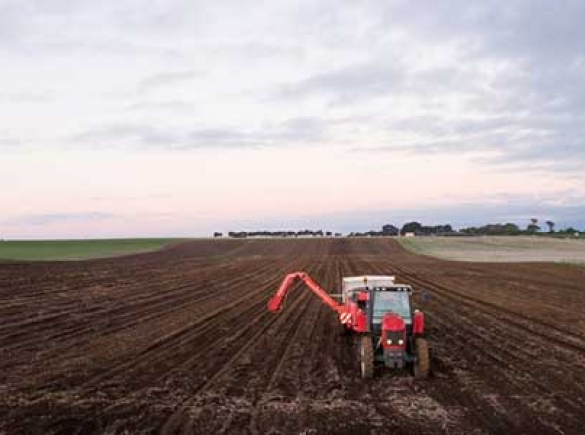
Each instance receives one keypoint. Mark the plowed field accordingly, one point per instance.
(180, 341)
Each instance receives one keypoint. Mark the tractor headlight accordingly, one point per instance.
(389, 341)
(400, 342)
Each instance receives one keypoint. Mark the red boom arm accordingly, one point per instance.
(275, 303)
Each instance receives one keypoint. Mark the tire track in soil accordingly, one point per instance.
(310, 317)
(286, 324)
(507, 373)
(121, 367)
(502, 328)
(180, 339)
(535, 327)
(256, 321)
(39, 324)
(240, 369)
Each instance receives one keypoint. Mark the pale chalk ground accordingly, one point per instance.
(505, 249)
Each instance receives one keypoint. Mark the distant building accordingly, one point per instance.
(409, 234)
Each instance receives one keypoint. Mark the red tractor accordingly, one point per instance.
(379, 312)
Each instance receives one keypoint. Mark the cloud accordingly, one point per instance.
(167, 106)
(161, 80)
(51, 218)
(292, 131)
(24, 97)
(536, 146)
(348, 82)
(545, 141)
(521, 28)
(8, 143)
(465, 78)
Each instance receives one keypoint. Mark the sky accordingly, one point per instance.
(132, 118)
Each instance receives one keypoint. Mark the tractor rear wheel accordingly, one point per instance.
(366, 357)
(422, 365)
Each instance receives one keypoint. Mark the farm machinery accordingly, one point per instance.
(378, 312)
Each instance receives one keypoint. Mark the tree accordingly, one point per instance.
(426, 230)
(411, 227)
(551, 226)
(533, 227)
(508, 229)
(569, 231)
(217, 234)
(389, 230)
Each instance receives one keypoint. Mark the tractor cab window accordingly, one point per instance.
(391, 301)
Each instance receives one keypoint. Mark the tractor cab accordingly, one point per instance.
(371, 298)
(395, 300)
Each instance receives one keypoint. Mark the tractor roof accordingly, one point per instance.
(355, 282)
(365, 279)
(351, 283)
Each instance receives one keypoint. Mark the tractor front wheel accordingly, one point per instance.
(366, 350)
(422, 365)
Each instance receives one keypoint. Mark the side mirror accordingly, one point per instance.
(426, 296)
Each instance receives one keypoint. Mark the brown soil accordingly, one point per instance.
(180, 341)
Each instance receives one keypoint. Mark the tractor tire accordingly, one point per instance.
(423, 363)
(366, 350)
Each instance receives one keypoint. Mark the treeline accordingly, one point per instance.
(302, 233)
(426, 230)
(418, 229)
(507, 229)
(511, 229)
(415, 228)
(387, 230)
